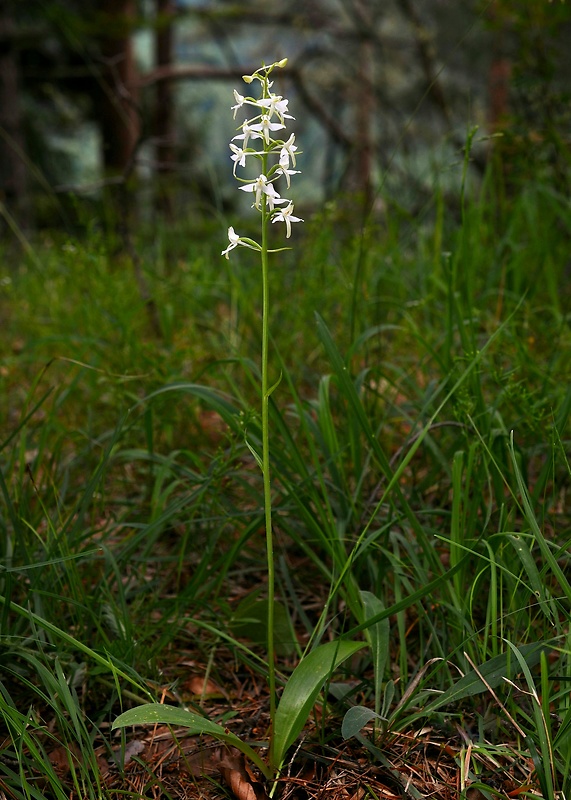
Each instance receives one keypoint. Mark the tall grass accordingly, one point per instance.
(419, 497)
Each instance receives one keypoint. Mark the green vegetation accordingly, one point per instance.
(419, 466)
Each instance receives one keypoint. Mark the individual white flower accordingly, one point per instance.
(260, 187)
(274, 198)
(275, 104)
(248, 132)
(234, 242)
(244, 101)
(240, 100)
(282, 169)
(286, 215)
(264, 126)
(287, 152)
(239, 156)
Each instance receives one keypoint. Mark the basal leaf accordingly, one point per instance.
(301, 692)
(158, 714)
(355, 720)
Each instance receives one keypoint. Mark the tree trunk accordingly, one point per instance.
(13, 178)
(120, 123)
(360, 178)
(164, 109)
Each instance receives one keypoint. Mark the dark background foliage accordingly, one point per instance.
(126, 101)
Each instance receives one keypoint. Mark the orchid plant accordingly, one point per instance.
(277, 161)
(275, 158)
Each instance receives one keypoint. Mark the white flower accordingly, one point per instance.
(276, 104)
(239, 156)
(234, 242)
(265, 126)
(286, 215)
(283, 170)
(248, 132)
(260, 187)
(240, 100)
(274, 198)
(287, 151)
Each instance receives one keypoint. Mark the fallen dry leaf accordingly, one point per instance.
(132, 748)
(61, 756)
(205, 688)
(239, 779)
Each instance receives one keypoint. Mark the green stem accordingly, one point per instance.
(266, 468)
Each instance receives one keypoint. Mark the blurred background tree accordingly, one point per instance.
(13, 177)
(530, 95)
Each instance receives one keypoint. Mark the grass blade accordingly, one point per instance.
(494, 671)
(531, 520)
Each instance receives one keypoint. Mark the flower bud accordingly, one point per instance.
(247, 78)
(281, 64)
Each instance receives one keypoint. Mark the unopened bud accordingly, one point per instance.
(247, 78)
(281, 64)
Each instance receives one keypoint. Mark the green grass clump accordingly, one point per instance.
(419, 441)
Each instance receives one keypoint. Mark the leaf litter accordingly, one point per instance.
(437, 761)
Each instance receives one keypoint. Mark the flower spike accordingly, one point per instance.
(277, 157)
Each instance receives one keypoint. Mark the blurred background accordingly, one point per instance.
(123, 106)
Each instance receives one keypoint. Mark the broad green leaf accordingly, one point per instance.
(355, 720)
(493, 671)
(301, 692)
(378, 635)
(250, 620)
(158, 714)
